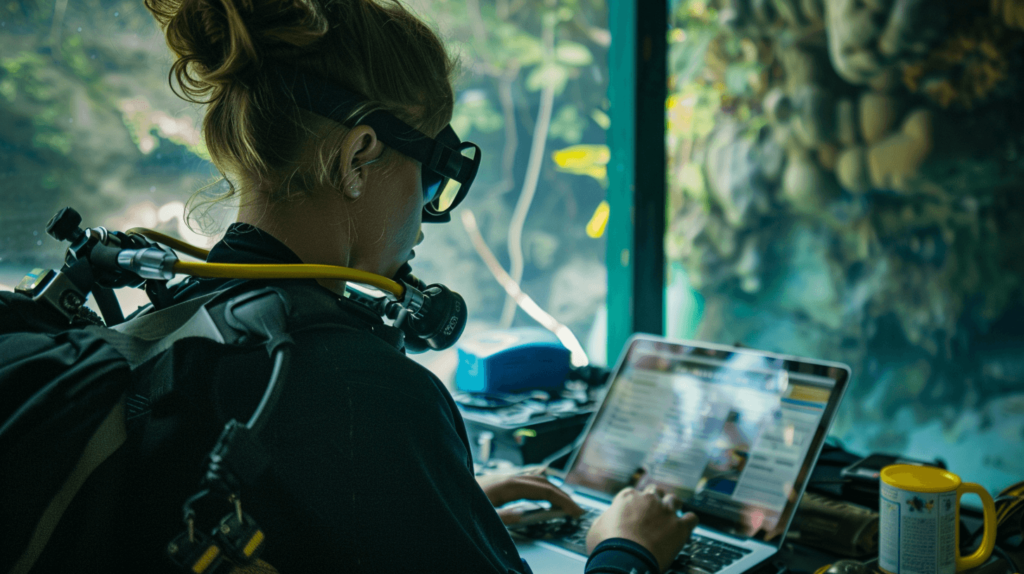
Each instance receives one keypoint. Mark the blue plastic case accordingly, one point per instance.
(511, 361)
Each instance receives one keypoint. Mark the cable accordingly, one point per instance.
(253, 271)
(288, 271)
(533, 169)
(109, 307)
(1007, 510)
(1005, 556)
(551, 458)
(282, 357)
(176, 244)
(525, 302)
(1009, 501)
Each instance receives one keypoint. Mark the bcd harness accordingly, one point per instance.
(47, 307)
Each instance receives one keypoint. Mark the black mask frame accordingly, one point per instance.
(442, 159)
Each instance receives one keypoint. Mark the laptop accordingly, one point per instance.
(733, 432)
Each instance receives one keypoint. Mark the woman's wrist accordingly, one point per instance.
(621, 555)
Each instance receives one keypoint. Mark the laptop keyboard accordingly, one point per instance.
(701, 555)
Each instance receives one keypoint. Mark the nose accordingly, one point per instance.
(419, 237)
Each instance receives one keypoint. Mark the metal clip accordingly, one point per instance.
(55, 289)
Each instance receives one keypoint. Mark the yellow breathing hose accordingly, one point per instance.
(175, 244)
(264, 271)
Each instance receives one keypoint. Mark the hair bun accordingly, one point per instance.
(221, 41)
(255, 133)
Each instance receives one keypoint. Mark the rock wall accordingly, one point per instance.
(864, 195)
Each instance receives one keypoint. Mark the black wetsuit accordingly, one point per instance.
(372, 470)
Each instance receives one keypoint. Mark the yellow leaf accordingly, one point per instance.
(601, 119)
(582, 156)
(584, 159)
(598, 221)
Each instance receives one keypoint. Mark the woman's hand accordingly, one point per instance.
(647, 518)
(504, 488)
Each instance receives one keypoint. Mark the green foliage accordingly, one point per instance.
(687, 51)
(24, 74)
(737, 78)
(474, 112)
(503, 37)
(511, 50)
(705, 56)
(568, 125)
(906, 285)
(103, 65)
(548, 73)
(75, 57)
(65, 67)
(8, 89)
(573, 54)
(691, 180)
(542, 249)
(524, 49)
(28, 77)
(692, 112)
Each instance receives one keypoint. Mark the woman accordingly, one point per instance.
(309, 110)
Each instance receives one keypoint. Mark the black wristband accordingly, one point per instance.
(616, 555)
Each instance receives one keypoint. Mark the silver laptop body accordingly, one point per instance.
(734, 433)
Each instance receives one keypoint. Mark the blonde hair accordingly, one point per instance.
(258, 139)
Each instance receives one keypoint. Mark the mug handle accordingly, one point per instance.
(988, 540)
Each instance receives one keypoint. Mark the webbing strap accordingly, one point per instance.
(148, 335)
(138, 340)
(257, 567)
(110, 435)
(159, 324)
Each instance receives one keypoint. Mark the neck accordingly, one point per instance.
(315, 228)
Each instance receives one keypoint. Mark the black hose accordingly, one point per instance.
(282, 358)
(109, 306)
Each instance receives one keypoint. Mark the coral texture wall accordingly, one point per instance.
(847, 182)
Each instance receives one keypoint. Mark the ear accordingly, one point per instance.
(359, 148)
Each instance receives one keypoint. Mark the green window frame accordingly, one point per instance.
(636, 175)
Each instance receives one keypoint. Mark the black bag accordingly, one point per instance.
(64, 377)
(60, 397)
(62, 416)
(62, 410)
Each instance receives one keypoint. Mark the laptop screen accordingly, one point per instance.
(733, 433)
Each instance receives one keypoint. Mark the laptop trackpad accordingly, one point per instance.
(544, 559)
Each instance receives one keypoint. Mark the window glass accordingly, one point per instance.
(834, 193)
(532, 95)
(88, 120)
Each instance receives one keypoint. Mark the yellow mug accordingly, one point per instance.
(919, 521)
